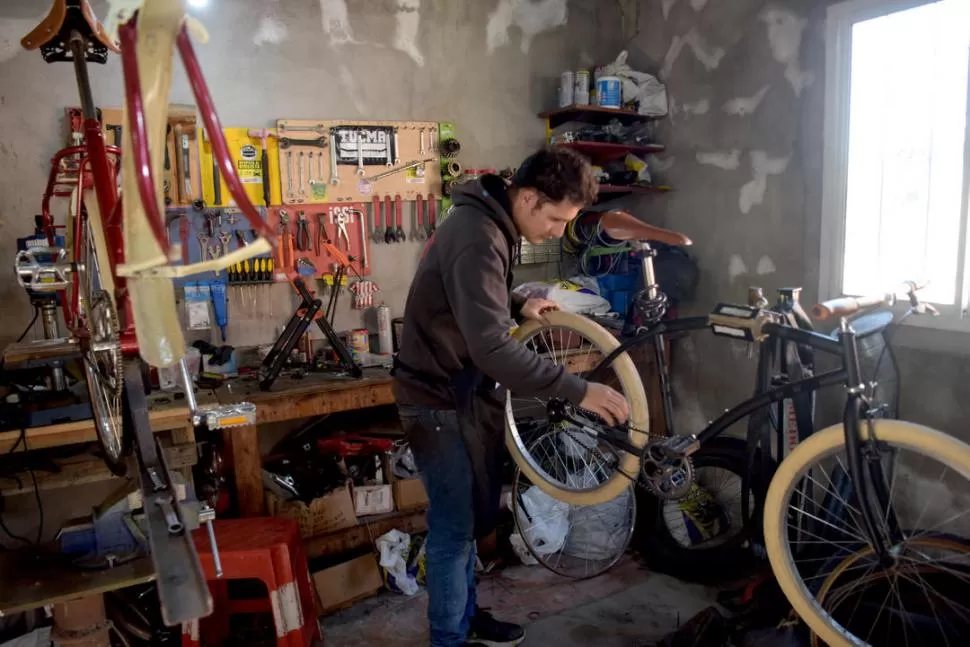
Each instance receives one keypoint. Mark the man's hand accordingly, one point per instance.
(607, 403)
(536, 309)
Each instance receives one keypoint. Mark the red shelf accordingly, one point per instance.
(591, 114)
(633, 188)
(605, 151)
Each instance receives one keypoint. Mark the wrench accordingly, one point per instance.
(203, 246)
(389, 236)
(310, 128)
(187, 171)
(320, 166)
(289, 173)
(398, 211)
(388, 161)
(310, 168)
(214, 254)
(421, 148)
(397, 149)
(432, 213)
(300, 185)
(378, 234)
(360, 157)
(384, 174)
(363, 241)
(416, 222)
(334, 177)
(319, 142)
(224, 238)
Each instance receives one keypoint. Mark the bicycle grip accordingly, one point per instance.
(845, 306)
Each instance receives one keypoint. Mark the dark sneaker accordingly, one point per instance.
(486, 631)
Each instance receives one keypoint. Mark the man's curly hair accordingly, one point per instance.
(558, 174)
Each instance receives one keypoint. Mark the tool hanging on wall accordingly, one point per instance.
(399, 235)
(432, 214)
(377, 235)
(263, 134)
(303, 242)
(450, 147)
(389, 236)
(363, 292)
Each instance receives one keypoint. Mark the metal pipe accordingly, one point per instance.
(48, 317)
(78, 47)
(187, 386)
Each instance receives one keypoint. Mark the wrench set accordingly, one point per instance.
(349, 161)
(387, 217)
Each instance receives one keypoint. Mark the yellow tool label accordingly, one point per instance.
(248, 165)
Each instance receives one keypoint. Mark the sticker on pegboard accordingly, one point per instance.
(248, 165)
(365, 145)
(415, 175)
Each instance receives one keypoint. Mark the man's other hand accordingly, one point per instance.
(608, 404)
(536, 309)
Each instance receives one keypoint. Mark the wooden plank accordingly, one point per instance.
(82, 431)
(242, 447)
(80, 470)
(33, 579)
(365, 533)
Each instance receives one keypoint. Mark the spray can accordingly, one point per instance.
(581, 88)
(566, 88)
(384, 339)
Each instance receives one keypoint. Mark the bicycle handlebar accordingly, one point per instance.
(846, 306)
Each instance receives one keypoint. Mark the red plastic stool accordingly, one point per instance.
(266, 549)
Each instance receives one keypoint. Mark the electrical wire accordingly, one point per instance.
(30, 325)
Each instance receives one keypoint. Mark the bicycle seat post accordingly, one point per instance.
(78, 46)
(646, 262)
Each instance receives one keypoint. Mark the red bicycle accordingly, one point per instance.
(116, 274)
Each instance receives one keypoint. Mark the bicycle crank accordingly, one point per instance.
(668, 472)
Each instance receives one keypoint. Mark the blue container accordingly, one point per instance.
(609, 89)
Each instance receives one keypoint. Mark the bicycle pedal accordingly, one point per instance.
(224, 416)
(43, 269)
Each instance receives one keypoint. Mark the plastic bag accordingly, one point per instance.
(544, 520)
(395, 550)
(649, 93)
(570, 296)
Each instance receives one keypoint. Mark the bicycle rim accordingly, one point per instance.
(833, 537)
(102, 359)
(574, 541)
(577, 342)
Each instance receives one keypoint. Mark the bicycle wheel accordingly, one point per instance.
(814, 537)
(102, 358)
(704, 536)
(574, 541)
(577, 439)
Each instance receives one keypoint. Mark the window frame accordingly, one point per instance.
(840, 19)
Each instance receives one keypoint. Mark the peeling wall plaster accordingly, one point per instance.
(743, 106)
(726, 160)
(709, 57)
(336, 22)
(762, 166)
(736, 267)
(408, 22)
(532, 17)
(765, 266)
(785, 31)
(270, 31)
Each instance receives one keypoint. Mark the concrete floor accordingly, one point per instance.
(626, 607)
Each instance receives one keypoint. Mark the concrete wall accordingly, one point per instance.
(488, 65)
(746, 85)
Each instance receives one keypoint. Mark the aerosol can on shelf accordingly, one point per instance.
(385, 342)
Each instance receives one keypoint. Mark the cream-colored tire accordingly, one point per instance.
(631, 387)
(928, 442)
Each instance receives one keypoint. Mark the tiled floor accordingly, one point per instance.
(626, 607)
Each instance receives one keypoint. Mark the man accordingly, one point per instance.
(456, 356)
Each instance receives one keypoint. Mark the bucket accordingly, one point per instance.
(609, 91)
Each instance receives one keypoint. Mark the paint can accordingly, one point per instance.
(566, 87)
(581, 88)
(384, 340)
(360, 340)
(609, 91)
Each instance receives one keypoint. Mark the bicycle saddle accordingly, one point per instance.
(66, 17)
(625, 226)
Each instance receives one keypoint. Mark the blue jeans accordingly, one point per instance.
(446, 471)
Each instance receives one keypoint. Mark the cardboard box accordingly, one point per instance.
(341, 585)
(409, 494)
(329, 513)
(373, 499)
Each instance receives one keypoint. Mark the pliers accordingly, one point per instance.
(303, 242)
(341, 221)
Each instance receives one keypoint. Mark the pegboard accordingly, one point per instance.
(356, 245)
(186, 224)
(308, 174)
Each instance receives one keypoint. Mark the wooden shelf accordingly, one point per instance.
(591, 114)
(606, 151)
(365, 533)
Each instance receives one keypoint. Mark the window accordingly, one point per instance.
(897, 159)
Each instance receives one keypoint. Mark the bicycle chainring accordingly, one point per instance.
(104, 346)
(666, 477)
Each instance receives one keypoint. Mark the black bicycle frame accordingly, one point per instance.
(654, 334)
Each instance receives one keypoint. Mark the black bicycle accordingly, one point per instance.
(854, 525)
